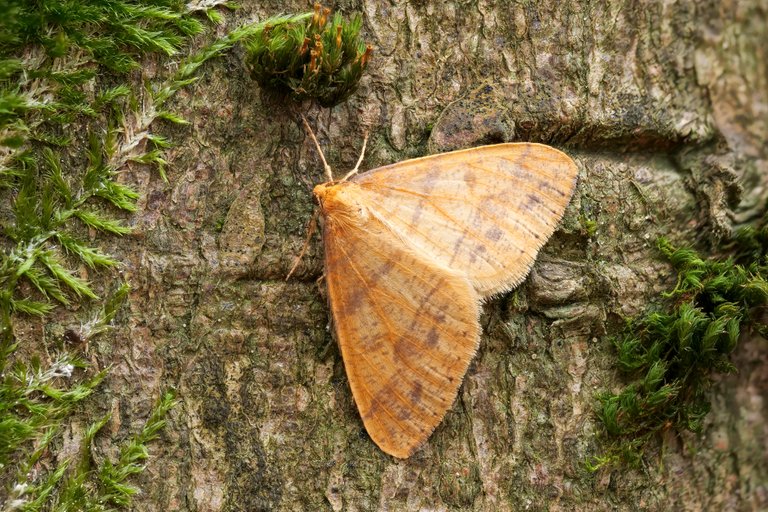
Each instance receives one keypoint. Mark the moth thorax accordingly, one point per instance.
(341, 198)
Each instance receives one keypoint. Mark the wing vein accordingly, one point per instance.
(488, 215)
(421, 279)
(470, 232)
(397, 421)
(391, 333)
(543, 185)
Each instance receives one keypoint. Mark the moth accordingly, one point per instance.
(412, 250)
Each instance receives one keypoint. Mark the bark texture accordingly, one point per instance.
(663, 106)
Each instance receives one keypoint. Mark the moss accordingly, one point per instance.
(35, 401)
(320, 57)
(672, 354)
(70, 121)
(588, 226)
(460, 484)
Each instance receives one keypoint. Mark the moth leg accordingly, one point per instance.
(311, 228)
(359, 160)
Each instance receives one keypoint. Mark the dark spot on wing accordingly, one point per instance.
(404, 349)
(431, 177)
(417, 212)
(372, 411)
(386, 397)
(456, 247)
(354, 300)
(531, 199)
(494, 234)
(415, 393)
(425, 304)
(383, 270)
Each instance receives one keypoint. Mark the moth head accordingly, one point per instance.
(322, 190)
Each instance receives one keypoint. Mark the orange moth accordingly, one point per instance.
(412, 250)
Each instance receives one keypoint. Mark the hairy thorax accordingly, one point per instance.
(341, 201)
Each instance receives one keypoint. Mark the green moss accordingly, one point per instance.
(320, 57)
(35, 402)
(588, 226)
(112, 476)
(70, 121)
(670, 355)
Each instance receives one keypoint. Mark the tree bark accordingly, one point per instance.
(662, 105)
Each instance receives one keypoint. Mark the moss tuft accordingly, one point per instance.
(321, 57)
(672, 354)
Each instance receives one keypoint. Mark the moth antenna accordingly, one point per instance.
(311, 227)
(359, 160)
(328, 173)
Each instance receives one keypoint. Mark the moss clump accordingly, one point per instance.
(671, 355)
(114, 33)
(70, 121)
(35, 402)
(321, 57)
(588, 226)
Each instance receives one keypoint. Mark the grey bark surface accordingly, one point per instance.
(662, 105)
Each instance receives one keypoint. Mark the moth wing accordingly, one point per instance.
(407, 328)
(483, 211)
